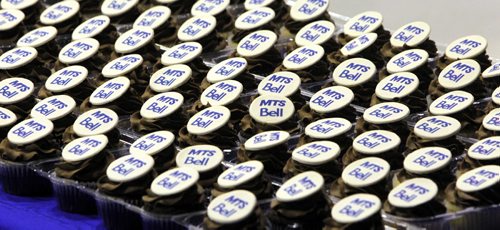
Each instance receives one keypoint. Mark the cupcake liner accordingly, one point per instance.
(151, 221)
(116, 214)
(477, 218)
(20, 179)
(74, 197)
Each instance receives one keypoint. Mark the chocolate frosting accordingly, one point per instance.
(224, 138)
(264, 64)
(416, 101)
(238, 111)
(107, 40)
(483, 59)
(400, 128)
(89, 170)
(190, 200)
(340, 189)
(317, 72)
(307, 115)
(250, 127)
(94, 64)
(457, 200)
(34, 71)
(260, 186)
(130, 191)
(342, 140)
(424, 74)
(468, 163)
(394, 157)
(208, 178)
(178, 7)
(308, 212)
(436, 90)
(166, 34)
(330, 170)
(127, 104)
(491, 83)
(198, 67)
(165, 159)
(48, 54)
(294, 26)
(239, 34)
(172, 122)
(373, 222)
(428, 209)
(32, 13)
(23, 108)
(388, 51)
(113, 136)
(246, 79)
(44, 148)
(79, 93)
(127, 17)
(189, 91)
(483, 132)
(211, 42)
(225, 22)
(370, 53)
(274, 158)
(9, 37)
(4, 130)
(254, 221)
(451, 143)
(383, 37)
(441, 177)
(68, 25)
(329, 46)
(60, 125)
(363, 92)
(89, 8)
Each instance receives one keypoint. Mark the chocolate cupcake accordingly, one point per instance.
(178, 7)
(495, 101)
(491, 77)
(490, 125)
(12, 27)
(414, 198)
(9, 119)
(300, 202)
(16, 95)
(328, 129)
(303, 12)
(209, 126)
(267, 113)
(174, 192)
(158, 18)
(270, 148)
(128, 66)
(438, 131)
(30, 8)
(309, 62)
(481, 153)
(202, 29)
(187, 53)
(468, 47)
(414, 35)
(362, 46)
(115, 94)
(475, 188)
(316, 33)
(71, 81)
(248, 176)
(286, 84)
(380, 143)
(237, 209)
(318, 156)
(94, 122)
(385, 116)
(177, 78)
(333, 101)
(364, 23)
(160, 146)
(161, 112)
(89, 8)
(63, 15)
(218, 9)
(99, 28)
(43, 40)
(358, 211)
(82, 52)
(259, 51)
(206, 159)
(262, 18)
(279, 7)
(21, 62)
(121, 12)
(430, 162)
(402, 88)
(231, 69)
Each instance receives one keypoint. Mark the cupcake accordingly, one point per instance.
(328, 129)
(481, 153)
(94, 122)
(380, 143)
(248, 176)
(490, 125)
(43, 40)
(468, 47)
(309, 62)
(364, 23)
(128, 66)
(12, 27)
(235, 68)
(206, 159)
(362, 46)
(99, 28)
(71, 81)
(414, 35)
(475, 188)
(385, 116)
(237, 209)
(269, 112)
(29, 141)
(58, 109)
(63, 15)
(259, 51)
(491, 76)
(9, 119)
(430, 162)
(438, 131)
(357, 74)
(414, 198)
(303, 12)
(121, 12)
(202, 29)
(160, 146)
(459, 105)
(280, 7)
(261, 18)
(218, 9)
(178, 7)
(177, 78)
(318, 156)
(84, 161)
(300, 202)
(333, 101)
(270, 148)
(316, 33)
(159, 19)
(401, 88)
(459, 75)
(187, 53)
(30, 8)
(286, 84)
(358, 211)
(16, 95)
(89, 8)
(21, 62)
(82, 52)
(161, 112)
(495, 101)
(209, 126)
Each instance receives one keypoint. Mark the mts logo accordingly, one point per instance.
(391, 108)
(19, 85)
(91, 142)
(102, 116)
(437, 155)
(463, 67)
(58, 103)
(279, 103)
(141, 34)
(244, 168)
(363, 203)
(320, 28)
(35, 125)
(417, 188)
(237, 202)
(135, 162)
(156, 138)
(173, 73)
(82, 46)
(456, 98)
(113, 86)
(235, 64)
(359, 67)
(280, 79)
(319, 147)
(333, 94)
(308, 52)
(379, 137)
(259, 37)
(402, 79)
(188, 47)
(22, 53)
(201, 152)
(470, 43)
(70, 73)
(168, 100)
(212, 114)
(201, 23)
(414, 29)
(439, 122)
(227, 87)
(488, 174)
(368, 19)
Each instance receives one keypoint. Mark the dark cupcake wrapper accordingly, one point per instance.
(151, 221)
(118, 214)
(20, 179)
(73, 196)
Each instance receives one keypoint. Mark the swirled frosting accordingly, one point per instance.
(388, 51)
(41, 149)
(34, 71)
(113, 136)
(190, 200)
(451, 143)
(89, 170)
(428, 209)
(130, 191)
(307, 115)
(127, 104)
(457, 200)
(340, 189)
(274, 159)
(399, 127)
(260, 186)
(250, 127)
(330, 170)
(172, 122)
(79, 93)
(318, 72)
(394, 157)
(224, 138)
